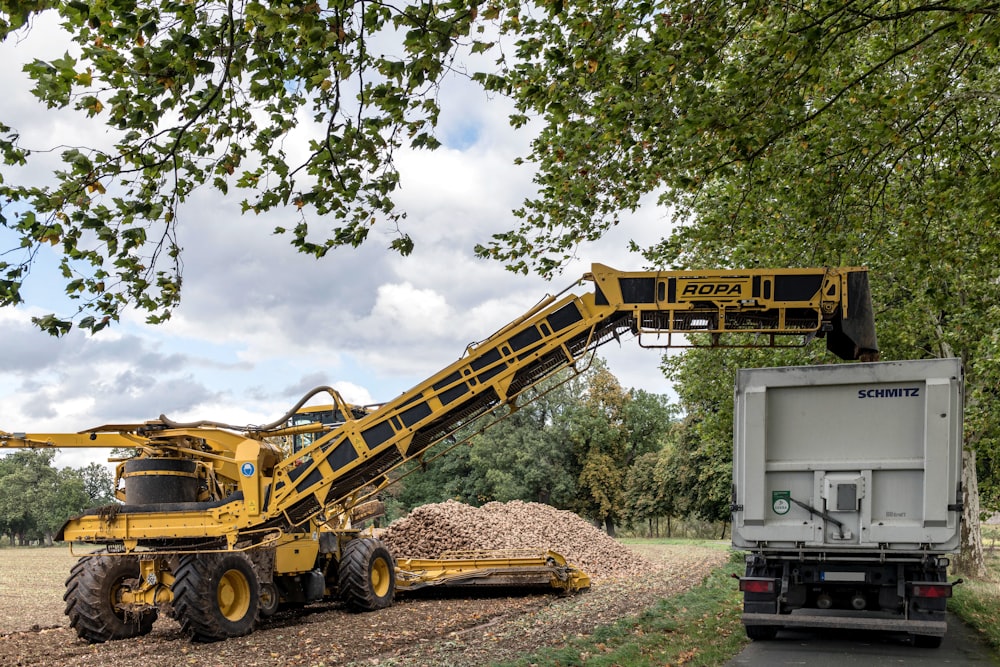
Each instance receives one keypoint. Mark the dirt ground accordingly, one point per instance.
(414, 632)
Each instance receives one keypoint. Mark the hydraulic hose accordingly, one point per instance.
(266, 427)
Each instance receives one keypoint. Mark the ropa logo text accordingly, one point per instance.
(711, 289)
(899, 392)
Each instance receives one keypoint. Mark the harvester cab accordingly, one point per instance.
(312, 422)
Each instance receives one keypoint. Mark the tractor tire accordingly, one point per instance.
(216, 596)
(367, 575)
(92, 593)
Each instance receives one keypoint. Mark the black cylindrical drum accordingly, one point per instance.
(154, 481)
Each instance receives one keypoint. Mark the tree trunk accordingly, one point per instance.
(609, 525)
(970, 561)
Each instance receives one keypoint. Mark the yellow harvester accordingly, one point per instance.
(219, 525)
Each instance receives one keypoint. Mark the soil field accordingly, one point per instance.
(415, 631)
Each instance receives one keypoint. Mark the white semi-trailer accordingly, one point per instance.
(847, 495)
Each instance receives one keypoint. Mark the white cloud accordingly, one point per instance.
(401, 309)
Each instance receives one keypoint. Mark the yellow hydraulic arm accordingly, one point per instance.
(750, 308)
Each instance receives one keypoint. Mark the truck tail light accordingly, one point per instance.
(756, 585)
(930, 590)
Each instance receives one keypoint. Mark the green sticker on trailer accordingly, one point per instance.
(781, 501)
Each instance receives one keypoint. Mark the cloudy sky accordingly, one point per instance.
(261, 324)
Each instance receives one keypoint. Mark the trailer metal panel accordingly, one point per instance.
(849, 458)
(847, 495)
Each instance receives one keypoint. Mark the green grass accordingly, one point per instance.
(978, 602)
(698, 628)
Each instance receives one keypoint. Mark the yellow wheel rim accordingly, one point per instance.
(381, 577)
(116, 597)
(233, 595)
(268, 597)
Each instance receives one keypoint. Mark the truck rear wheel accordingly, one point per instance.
(93, 593)
(762, 632)
(927, 641)
(366, 575)
(216, 596)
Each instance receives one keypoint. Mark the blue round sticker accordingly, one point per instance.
(247, 469)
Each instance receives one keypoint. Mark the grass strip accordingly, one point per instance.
(700, 627)
(977, 603)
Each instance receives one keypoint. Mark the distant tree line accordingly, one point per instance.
(621, 458)
(36, 497)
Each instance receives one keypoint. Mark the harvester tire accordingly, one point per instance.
(216, 596)
(93, 588)
(366, 575)
(269, 599)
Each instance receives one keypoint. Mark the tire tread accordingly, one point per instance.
(195, 603)
(88, 603)
(353, 575)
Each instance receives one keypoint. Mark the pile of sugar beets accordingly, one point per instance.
(431, 530)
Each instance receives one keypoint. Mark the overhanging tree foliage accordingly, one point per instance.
(714, 99)
(300, 104)
(838, 127)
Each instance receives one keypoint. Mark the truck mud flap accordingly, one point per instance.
(928, 628)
